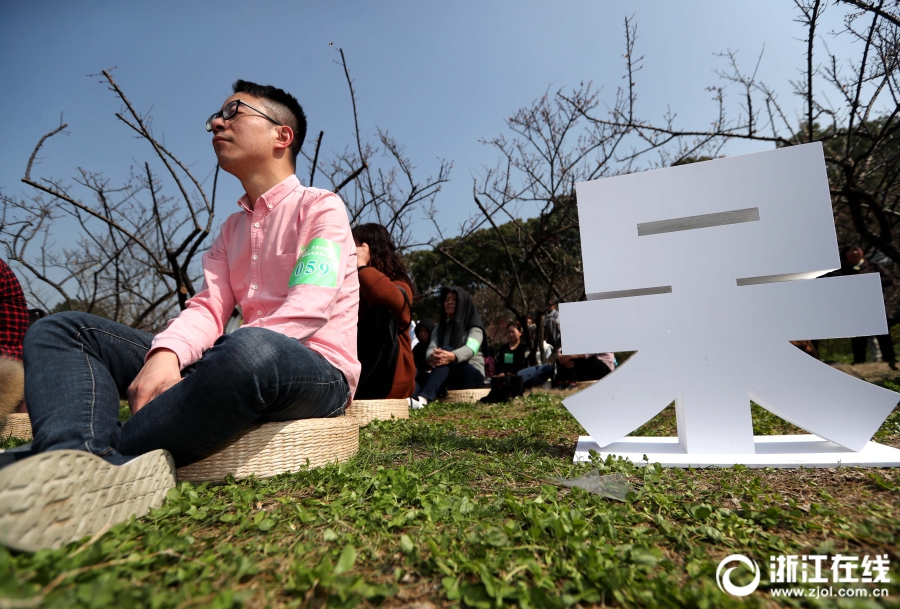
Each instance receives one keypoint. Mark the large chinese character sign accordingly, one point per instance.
(708, 271)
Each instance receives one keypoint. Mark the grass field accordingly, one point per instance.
(456, 507)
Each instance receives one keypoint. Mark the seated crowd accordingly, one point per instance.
(452, 354)
(401, 358)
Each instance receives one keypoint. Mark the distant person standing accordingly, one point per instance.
(853, 262)
(551, 327)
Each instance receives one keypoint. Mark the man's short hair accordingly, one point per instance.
(283, 106)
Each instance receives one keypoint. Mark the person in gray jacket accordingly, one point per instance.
(454, 351)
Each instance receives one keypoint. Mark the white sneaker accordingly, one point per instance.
(416, 403)
(56, 497)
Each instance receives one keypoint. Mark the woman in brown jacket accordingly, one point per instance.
(384, 281)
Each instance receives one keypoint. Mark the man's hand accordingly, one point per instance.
(566, 360)
(159, 373)
(439, 358)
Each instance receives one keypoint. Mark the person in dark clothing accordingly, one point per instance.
(384, 281)
(34, 315)
(513, 358)
(853, 262)
(551, 327)
(423, 332)
(453, 352)
(572, 369)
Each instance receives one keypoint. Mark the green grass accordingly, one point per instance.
(455, 507)
(837, 350)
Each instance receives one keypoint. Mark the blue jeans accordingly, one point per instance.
(535, 375)
(78, 366)
(451, 376)
(421, 379)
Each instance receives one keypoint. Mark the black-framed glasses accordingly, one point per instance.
(231, 109)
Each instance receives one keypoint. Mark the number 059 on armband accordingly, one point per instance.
(318, 264)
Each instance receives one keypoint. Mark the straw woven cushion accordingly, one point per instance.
(270, 449)
(466, 395)
(366, 411)
(18, 425)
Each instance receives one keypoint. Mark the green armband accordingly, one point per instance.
(318, 264)
(473, 344)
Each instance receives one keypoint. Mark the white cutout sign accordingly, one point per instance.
(707, 270)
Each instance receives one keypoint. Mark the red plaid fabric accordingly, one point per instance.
(13, 314)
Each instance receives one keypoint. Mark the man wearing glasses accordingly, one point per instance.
(286, 257)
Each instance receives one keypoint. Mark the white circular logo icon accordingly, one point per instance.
(724, 579)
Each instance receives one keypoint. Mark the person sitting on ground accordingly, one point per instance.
(514, 357)
(456, 363)
(572, 369)
(512, 374)
(14, 316)
(512, 364)
(383, 283)
(287, 257)
(423, 333)
(853, 262)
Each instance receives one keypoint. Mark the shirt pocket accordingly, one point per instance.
(284, 266)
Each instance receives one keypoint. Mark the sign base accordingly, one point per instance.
(771, 451)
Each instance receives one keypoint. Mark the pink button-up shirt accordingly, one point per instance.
(290, 263)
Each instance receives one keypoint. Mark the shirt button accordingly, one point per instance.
(254, 286)
(269, 206)
(259, 312)
(255, 257)
(256, 224)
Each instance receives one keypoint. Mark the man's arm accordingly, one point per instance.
(203, 321)
(473, 341)
(190, 334)
(376, 288)
(325, 262)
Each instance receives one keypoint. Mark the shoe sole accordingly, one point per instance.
(53, 498)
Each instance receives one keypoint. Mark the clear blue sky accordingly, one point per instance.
(438, 76)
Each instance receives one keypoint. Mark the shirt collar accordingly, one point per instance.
(273, 196)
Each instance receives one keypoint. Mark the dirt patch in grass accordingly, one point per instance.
(873, 372)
